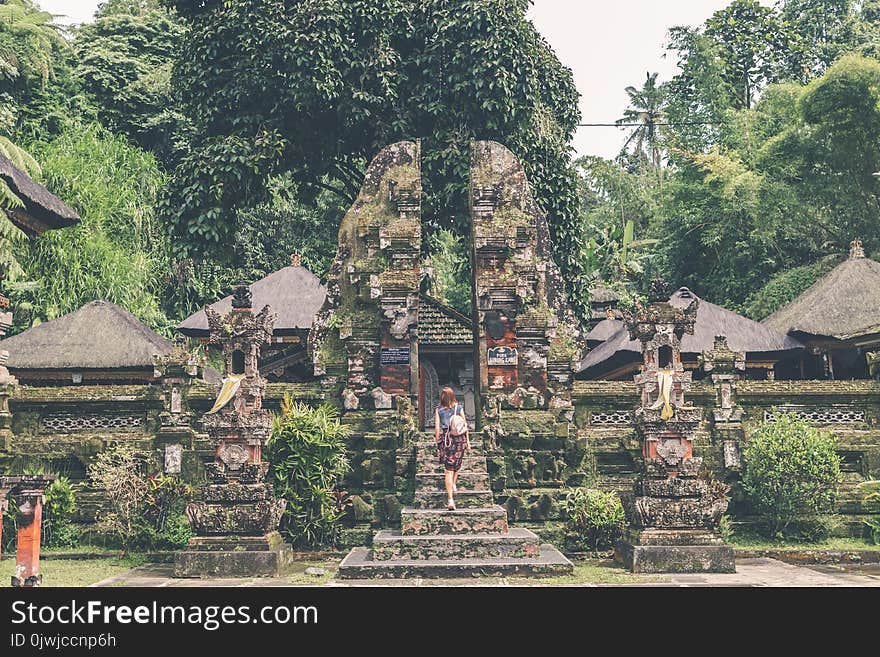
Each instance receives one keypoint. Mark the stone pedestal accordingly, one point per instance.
(674, 509)
(234, 556)
(674, 551)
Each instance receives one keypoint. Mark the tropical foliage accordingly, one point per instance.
(205, 142)
(595, 519)
(307, 453)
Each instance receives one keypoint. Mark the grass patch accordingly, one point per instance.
(74, 572)
(750, 542)
(591, 571)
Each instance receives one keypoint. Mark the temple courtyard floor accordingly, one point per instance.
(757, 572)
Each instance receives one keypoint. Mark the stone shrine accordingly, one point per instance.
(674, 509)
(236, 520)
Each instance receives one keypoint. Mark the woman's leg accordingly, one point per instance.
(450, 477)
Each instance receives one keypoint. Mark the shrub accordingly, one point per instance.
(790, 474)
(595, 518)
(141, 505)
(307, 454)
(57, 530)
(118, 472)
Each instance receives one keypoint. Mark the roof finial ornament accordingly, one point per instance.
(241, 298)
(856, 249)
(295, 260)
(660, 291)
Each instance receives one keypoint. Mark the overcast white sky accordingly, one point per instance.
(609, 45)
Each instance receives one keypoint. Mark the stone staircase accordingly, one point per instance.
(473, 541)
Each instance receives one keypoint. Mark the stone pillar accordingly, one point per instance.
(528, 340)
(363, 342)
(28, 490)
(237, 516)
(674, 509)
(4, 506)
(7, 381)
(725, 368)
(177, 370)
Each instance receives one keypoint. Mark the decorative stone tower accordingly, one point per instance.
(364, 341)
(724, 367)
(674, 511)
(236, 520)
(527, 338)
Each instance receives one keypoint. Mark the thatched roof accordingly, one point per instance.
(42, 209)
(294, 293)
(844, 304)
(443, 326)
(603, 331)
(100, 335)
(742, 334)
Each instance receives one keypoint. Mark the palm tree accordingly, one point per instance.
(645, 113)
(29, 43)
(29, 40)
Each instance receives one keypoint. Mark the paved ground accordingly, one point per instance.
(750, 572)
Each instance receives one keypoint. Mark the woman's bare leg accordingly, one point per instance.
(450, 478)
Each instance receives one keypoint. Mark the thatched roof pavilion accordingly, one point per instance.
(293, 292)
(99, 343)
(619, 357)
(844, 305)
(839, 313)
(42, 210)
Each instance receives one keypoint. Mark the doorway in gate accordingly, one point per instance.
(438, 369)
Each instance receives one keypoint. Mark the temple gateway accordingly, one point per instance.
(641, 401)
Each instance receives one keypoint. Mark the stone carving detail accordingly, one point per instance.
(611, 418)
(233, 456)
(75, 423)
(672, 452)
(173, 458)
(829, 416)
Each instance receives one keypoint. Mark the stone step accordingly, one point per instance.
(518, 543)
(467, 481)
(420, 522)
(430, 452)
(360, 564)
(467, 499)
(470, 464)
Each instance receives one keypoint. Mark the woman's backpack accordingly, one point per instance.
(457, 425)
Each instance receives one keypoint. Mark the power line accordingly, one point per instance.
(639, 125)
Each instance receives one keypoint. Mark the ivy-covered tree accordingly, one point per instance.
(315, 89)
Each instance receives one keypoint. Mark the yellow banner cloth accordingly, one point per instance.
(227, 392)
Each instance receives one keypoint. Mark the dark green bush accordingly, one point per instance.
(307, 454)
(595, 519)
(791, 471)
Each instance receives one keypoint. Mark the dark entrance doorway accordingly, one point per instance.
(438, 369)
